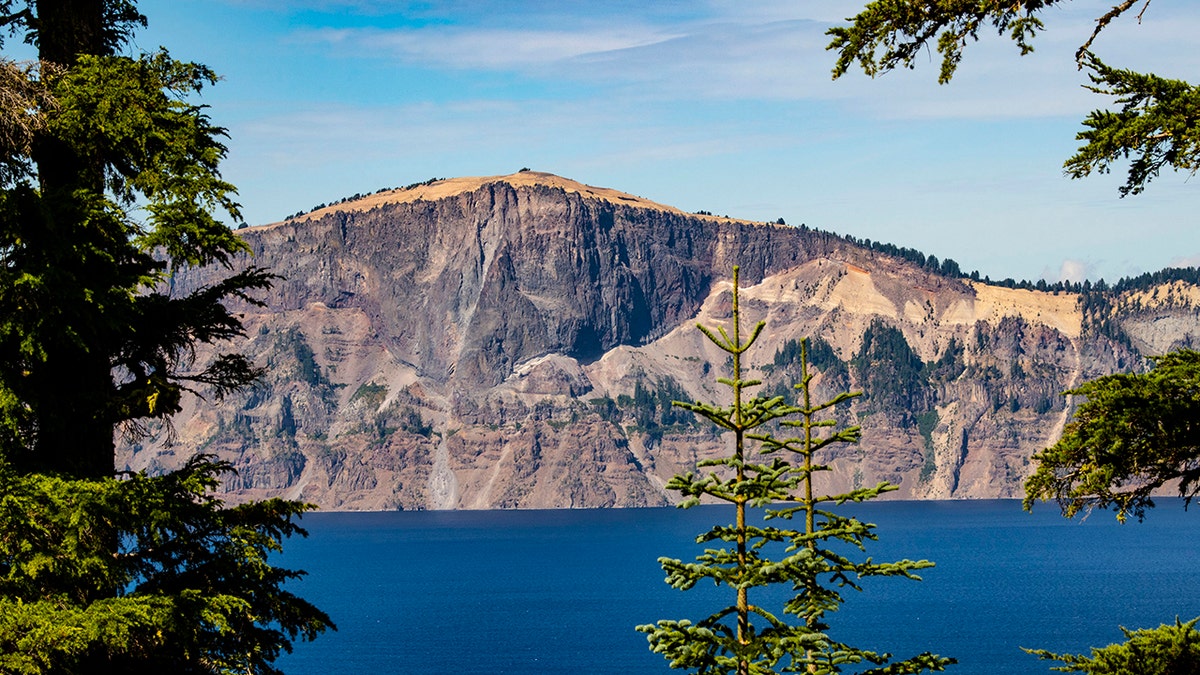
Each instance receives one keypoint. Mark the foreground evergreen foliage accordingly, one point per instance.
(109, 185)
(1166, 650)
(113, 187)
(188, 587)
(747, 638)
(1133, 434)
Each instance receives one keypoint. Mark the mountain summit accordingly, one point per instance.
(436, 189)
(515, 342)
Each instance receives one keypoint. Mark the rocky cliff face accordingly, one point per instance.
(515, 343)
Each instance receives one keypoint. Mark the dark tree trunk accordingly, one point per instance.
(71, 388)
(68, 29)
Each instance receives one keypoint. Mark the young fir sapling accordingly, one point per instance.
(747, 638)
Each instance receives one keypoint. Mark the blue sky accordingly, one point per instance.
(701, 105)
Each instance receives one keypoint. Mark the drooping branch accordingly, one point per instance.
(1134, 434)
(888, 34)
(1157, 126)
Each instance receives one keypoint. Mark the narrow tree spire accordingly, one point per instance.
(747, 638)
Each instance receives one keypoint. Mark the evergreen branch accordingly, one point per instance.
(19, 18)
(1133, 434)
(710, 485)
(731, 533)
(228, 373)
(888, 34)
(723, 342)
(759, 411)
(1157, 126)
(722, 417)
(754, 333)
(865, 494)
(1082, 53)
(842, 397)
(727, 343)
(796, 445)
(1165, 649)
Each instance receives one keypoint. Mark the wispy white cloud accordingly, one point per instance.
(1075, 271)
(775, 51)
(367, 7)
(1186, 261)
(486, 49)
(782, 10)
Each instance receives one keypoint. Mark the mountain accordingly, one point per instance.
(515, 342)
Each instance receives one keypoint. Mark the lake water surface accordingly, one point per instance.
(528, 592)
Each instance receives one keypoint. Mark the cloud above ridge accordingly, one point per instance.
(721, 50)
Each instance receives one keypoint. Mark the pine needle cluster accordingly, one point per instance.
(774, 476)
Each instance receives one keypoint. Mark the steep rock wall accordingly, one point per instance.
(516, 343)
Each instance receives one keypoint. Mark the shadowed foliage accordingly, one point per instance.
(109, 186)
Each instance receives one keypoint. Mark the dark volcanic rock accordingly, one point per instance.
(477, 343)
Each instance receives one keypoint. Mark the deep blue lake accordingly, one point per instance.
(528, 592)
